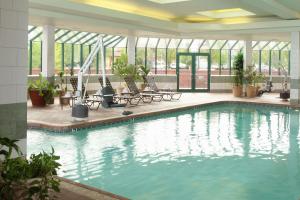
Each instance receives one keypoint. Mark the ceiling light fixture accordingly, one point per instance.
(167, 1)
(226, 13)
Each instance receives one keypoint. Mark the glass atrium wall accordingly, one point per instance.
(159, 54)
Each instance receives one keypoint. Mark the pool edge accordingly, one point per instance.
(93, 189)
(101, 122)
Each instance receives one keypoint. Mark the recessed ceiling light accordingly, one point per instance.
(226, 13)
(167, 1)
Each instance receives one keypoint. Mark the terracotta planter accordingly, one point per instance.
(237, 91)
(36, 99)
(251, 91)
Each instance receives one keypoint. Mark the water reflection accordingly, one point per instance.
(220, 132)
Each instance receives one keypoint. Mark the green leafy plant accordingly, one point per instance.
(122, 69)
(238, 73)
(252, 77)
(40, 85)
(10, 147)
(50, 92)
(46, 89)
(28, 179)
(144, 72)
(44, 167)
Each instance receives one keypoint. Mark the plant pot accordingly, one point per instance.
(63, 101)
(285, 95)
(36, 99)
(251, 91)
(237, 91)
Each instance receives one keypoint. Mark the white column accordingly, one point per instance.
(131, 49)
(247, 53)
(13, 70)
(48, 59)
(295, 68)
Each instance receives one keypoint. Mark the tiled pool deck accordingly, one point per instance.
(70, 190)
(54, 118)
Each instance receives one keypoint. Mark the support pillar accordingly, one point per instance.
(131, 49)
(48, 61)
(295, 68)
(247, 53)
(14, 70)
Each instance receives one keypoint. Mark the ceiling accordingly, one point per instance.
(269, 19)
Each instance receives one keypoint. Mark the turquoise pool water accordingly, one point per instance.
(232, 152)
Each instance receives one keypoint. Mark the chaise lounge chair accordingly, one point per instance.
(168, 95)
(127, 98)
(88, 101)
(146, 97)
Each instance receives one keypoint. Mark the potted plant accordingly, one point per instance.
(122, 69)
(144, 73)
(37, 90)
(119, 68)
(41, 91)
(63, 90)
(252, 78)
(21, 178)
(238, 74)
(51, 92)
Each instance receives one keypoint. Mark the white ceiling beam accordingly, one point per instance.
(274, 7)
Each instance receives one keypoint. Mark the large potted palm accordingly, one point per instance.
(252, 78)
(238, 74)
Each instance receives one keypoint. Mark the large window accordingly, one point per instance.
(158, 54)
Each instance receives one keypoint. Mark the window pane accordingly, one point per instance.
(108, 59)
(255, 58)
(265, 62)
(171, 61)
(68, 56)
(215, 57)
(142, 42)
(224, 62)
(275, 62)
(285, 59)
(161, 61)
(36, 57)
(58, 54)
(140, 56)
(152, 43)
(151, 59)
(76, 58)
